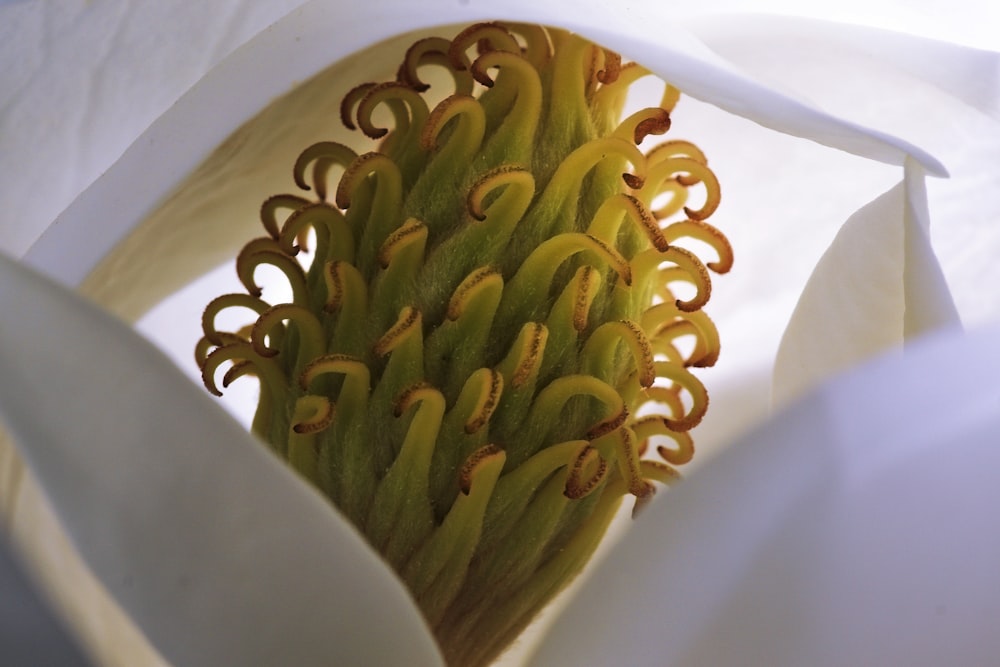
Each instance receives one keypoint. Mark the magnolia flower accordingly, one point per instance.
(179, 583)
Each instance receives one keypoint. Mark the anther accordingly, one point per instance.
(320, 411)
(486, 404)
(494, 34)
(504, 175)
(408, 323)
(322, 156)
(269, 211)
(586, 473)
(473, 463)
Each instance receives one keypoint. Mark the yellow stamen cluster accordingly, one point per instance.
(485, 353)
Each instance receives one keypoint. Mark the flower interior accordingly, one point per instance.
(485, 351)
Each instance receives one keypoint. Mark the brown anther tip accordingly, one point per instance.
(529, 362)
(626, 276)
(633, 181)
(405, 398)
(694, 214)
(472, 462)
(350, 100)
(606, 426)
(655, 125)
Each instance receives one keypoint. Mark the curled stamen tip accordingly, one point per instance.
(577, 486)
(658, 124)
(539, 335)
(408, 397)
(467, 290)
(609, 425)
(481, 416)
(612, 67)
(409, 321)
(473, 463)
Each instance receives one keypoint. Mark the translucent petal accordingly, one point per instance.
(878, 284)
(856, 527)
(943, 97)
(212, 546)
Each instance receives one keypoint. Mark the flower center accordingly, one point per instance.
(484, 353)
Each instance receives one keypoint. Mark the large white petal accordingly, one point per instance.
(858, 527)
(81, 80)
(210, 544)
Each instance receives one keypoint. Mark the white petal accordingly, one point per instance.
(214, 548)
(82, 80)
(940, 96)
(29, 633)
(858, 527)
(877, 285)
(790, 49)
(294, 49)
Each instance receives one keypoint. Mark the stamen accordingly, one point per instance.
(269, 211)
(493, 34)
(361, 168)
(407, 324)
(436, 571)
(694, 388)
(586, 290)
(600, 350)
(696, 274)
(512, 202)
(411, 233)
(653, 426)
(409, 110)
(475, 463)
(612, 67)
(267, 251)
(665, 323)
(358, 377)
(220, 303)
(312, 414)
(401, 517)
(551, 400)
(485, 278)
(334, 236)
(322, 156)
(309, 329)
(589, 469)
(665, 170)
(351, 100)
(568, 178)
(484, 387)
(271, 375)
(608, 218)
(643, 123)
(469, 130)
(627, 457)
(706, 233)
(524, 300)
(521, 363)
(346, 289)
(537, 48)
(432, 51)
